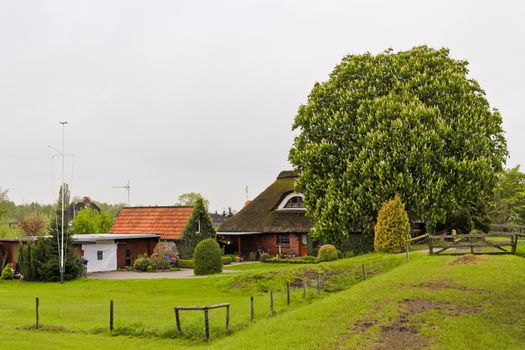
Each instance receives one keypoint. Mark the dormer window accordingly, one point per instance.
(293, 201)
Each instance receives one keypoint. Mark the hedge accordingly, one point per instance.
(185, 264)
(298, 260)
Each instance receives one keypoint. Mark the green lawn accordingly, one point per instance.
(144, 308)
(432, 301)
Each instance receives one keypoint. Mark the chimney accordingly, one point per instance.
(87, 200)
(247, 202)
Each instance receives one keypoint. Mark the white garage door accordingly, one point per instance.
(101, 256)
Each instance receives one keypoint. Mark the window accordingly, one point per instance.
(283, 239)
(295, 203)
(100, 255)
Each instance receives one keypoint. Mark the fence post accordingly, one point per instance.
(271, 302)
(111, 315)
(322, 280)
(430, 248)
(304, 287)
(37, 304)
(407, 248)
(364, 272)
(318, 283)
(227, 317)
(252, 314)
(206, 324)
(177, 318)
(288, 293)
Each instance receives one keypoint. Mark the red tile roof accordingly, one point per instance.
(169, 222)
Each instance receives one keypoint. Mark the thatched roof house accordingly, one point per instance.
(274, 221)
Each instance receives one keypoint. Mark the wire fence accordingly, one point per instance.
(116, 317)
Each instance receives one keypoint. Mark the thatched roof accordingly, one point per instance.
(260, 215)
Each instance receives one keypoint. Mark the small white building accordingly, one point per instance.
(109, 252)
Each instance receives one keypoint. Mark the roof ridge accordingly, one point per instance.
(159, 206)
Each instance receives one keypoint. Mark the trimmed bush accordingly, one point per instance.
(7, 273)
(207, 258)
(392, 228)
(185, 264)
(265, 257)
(327, 253)
(227, 260)
(143, 262)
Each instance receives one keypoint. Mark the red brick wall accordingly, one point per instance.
(251, 243)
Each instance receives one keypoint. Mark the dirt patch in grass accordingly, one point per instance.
(443, 283)
(401, 334)
(466, 259)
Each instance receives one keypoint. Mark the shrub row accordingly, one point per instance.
(298, 260)
(188, 264)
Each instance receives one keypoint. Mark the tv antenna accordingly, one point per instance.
(127, 187)
(247, 196)
(60, 238)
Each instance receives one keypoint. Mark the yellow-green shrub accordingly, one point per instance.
(327, 253)
(392, 228)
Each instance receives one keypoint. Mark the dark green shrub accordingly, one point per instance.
(227, 260)
(392, 229)
(207, 257)
(265, 257)
(339, 254)
(7, 273)
(150, 268)
(327, 253)
(143, 262)
(185, 264)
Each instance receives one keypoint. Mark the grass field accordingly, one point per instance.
(144, 308)
(439, 302)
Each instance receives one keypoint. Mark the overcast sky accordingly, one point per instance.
(199, 96)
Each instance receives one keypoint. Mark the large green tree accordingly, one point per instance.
(198, 228)
(412, 123)
(89, 220)
(191, 198)
(508, 205)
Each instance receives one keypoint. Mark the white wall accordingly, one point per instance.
(109, 256)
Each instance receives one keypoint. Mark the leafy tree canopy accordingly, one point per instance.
(509, 198)
(89, 220)
(190, 199)
(411, 123)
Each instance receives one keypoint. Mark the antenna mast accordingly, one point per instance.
(60, 239)
(127, 187)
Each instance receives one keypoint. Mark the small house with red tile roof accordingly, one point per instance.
(274, 222)
(168, 222)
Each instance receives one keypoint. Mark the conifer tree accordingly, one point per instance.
(41, 261)
(198, 228)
